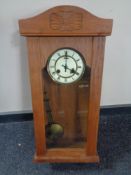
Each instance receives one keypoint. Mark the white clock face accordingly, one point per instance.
(65, 66)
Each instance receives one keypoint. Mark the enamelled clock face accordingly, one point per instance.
(65, 66)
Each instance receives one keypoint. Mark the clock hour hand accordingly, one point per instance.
(65, 67)
(71, 70)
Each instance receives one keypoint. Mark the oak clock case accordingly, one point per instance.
(66, 53)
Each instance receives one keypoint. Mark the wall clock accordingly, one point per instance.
(66, 53)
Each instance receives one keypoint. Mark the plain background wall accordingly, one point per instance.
(15, 92)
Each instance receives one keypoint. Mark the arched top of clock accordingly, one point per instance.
(65, 21)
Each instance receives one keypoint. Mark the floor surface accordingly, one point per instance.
(114, 147)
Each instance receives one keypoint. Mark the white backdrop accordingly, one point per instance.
(15, 92)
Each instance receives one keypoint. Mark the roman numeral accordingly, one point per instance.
(79, 66)
(73, 54)
(53, 73)
(58, 78)
(66, 53)
(59, 54)
(77, 73)
(52, 66)
(65, 79)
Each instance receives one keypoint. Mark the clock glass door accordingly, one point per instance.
(66, 89)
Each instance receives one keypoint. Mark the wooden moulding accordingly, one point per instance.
(70, 155)
(65, 21)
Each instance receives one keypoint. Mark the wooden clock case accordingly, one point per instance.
(58, 27)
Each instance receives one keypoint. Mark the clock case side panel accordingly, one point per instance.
(37, 94)
(98, 47)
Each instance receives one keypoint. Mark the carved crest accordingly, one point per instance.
(66, 21)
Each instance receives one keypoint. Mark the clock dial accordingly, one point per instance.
(66, 66)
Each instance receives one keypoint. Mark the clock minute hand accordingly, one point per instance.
(65, 57)
(73, 71)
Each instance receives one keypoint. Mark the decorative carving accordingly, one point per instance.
(66, 21)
